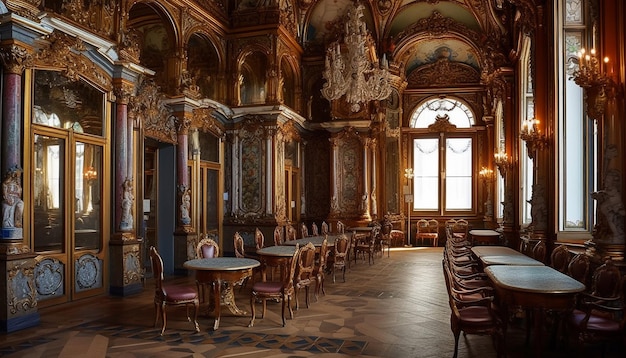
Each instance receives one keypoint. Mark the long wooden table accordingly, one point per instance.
(537, 288)
(502, 255)
(276, 256)
(222, 271)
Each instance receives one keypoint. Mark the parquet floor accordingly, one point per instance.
(396, 307)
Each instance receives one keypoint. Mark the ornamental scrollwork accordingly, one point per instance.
(15, 58)
(149, 107)
(21, 291)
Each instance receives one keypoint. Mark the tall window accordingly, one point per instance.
(577, 134)
(527, 110)
(442, 151)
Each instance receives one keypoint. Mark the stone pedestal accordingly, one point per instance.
(18, 293)
(125, 253)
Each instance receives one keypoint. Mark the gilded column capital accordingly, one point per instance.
(15, 58)
(182, 125)
(123, 92)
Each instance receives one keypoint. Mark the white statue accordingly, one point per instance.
(12, 203)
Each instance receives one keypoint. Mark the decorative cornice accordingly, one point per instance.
(148, 106)
(443, 73)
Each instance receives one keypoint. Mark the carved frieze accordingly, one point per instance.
(96, 15)
(205, 120)
(65, 52)
(443, 73)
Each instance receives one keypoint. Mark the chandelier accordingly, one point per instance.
(351, 68)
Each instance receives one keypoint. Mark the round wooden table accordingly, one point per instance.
(226, 272)
(485, 237)
(276, 256)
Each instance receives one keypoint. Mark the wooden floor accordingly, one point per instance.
(397, 307)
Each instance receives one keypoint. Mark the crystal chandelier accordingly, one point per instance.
(351, 68)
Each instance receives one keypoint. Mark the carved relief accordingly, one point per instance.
(443, 73)
(88, 273)
(204, 119)
(65, 52)
(20, 287)
(49, 278)
(149, 107)
(132, 264)
(15, 58)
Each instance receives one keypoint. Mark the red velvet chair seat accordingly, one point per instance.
(179, 293)
(476, 316)
(268, 287)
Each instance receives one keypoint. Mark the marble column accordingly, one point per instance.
(17, 264)
(185, 236)
(124, 247)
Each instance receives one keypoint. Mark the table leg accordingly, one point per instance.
(538, 314)
(217, 299)
(229, 301)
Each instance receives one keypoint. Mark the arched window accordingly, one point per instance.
(442, 157)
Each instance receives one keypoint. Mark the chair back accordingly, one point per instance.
(207, 247)
(606, 280)
(238, 245)
(325, 229)
(539, 251)
(560, 258)
(290, 232)
(578, 268)
(342, 245)
(314, 230)
(304, 232)
(278, 236)
(341, 227)
(422, 226)
(259, 239)
(157, 272)
(289, 279)
(306, 264)
(321, 262)
(386, 227)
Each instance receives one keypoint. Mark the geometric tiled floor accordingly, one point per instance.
(396, 307)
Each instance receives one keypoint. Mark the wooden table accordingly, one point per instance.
(222, 271)
(537, 288)
(484, 237)
(316, 240)
(276, 256)
(502, 255)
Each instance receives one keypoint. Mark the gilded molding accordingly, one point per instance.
(15, 58)
(443, 73)
(204, 119)
(132, 264)
(149, 107)
(442, 124)
(123, 92)
(64, 52)
(29, 9)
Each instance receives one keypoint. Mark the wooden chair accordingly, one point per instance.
(320, 268)
(539, 251)
(325, 229)
(473, 316)
(238, 245)
(386, 239)
(578, 268)
(304, 232)
(314, 230)
(278, 236)
(207, 248)
(459, 229)
(560, 258)
(341, 227)
(428, 230)
(340, 255)
(600, 315)
(281, 291)
(367, 246)
(170, 295)
(290, 233)
(305, 269)
(259, 239)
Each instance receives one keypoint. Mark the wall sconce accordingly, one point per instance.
(591, 76)
(503, 162)
(486, 174)
(534, 139)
